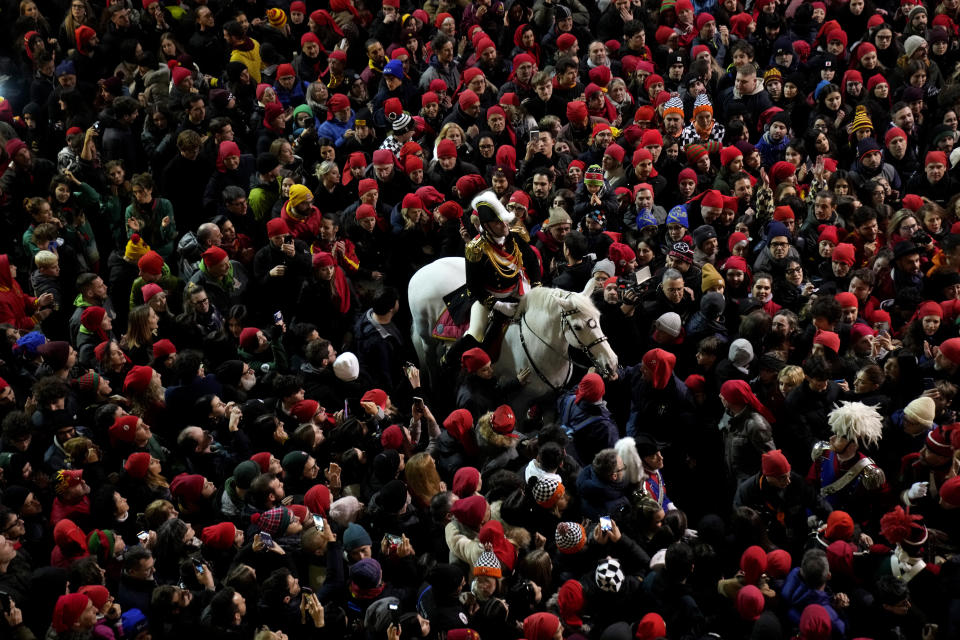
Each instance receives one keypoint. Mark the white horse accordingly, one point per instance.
(547, 322)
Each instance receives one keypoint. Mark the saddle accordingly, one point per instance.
(454, 321)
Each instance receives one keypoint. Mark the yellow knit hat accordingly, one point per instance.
(277, 18)
(709, 277)
(136, 248)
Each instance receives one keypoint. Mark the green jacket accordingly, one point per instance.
(270, 361)
(170, 283)
(161, 239)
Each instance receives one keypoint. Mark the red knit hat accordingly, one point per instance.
(504, 421)
(68, 609)
(376, 396)
(893, 133)
(828, 232)
(263, 460)
(845, 253)
(934, 157)
(846, 299)
(317, 499)
(783, 212)
(248, 339)
(151, 263)
(591, 388)
(839, 526)
(446, 149)
(92, 317)
(163, 349)
(124, 429)
(729, 154)
(214, 256)
(150, 290)
(304, 410)
(97, 593)
(137, 379)
(392, 437)
(277, 227)
(774, 463)
(187, 486)
(829, 339)
(137, 464)
(365, 185)
(474, 359)
(219, 536)
(950, 492)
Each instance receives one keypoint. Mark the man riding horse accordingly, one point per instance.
(501, 268)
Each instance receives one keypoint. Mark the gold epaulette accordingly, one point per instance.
(474, 249)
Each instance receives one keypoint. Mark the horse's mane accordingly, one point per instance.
(545, 297)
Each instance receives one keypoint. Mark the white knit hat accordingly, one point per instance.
(346, 367)
(921, 410)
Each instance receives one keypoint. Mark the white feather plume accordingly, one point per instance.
(490, 198)
(857, 421)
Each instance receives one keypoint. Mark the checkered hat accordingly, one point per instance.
(609, 575)
(487, 565)
(570, 537)
(547, 492)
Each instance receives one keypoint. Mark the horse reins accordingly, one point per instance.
(565, 324)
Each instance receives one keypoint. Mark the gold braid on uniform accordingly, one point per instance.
(502, 264)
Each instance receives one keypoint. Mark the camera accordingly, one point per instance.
(630, 284)
(921, 238)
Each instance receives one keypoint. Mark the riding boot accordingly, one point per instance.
(451, 359)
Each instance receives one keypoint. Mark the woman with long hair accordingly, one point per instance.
(112, 363)
(422, 478)
(79, 14)
(141, 334)
(327, 299)
(143, 481)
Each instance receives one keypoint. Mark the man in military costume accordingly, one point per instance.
(844, 476)
(501, 268)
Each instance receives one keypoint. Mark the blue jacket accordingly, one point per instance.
(592, 426)
(294, 97)
(797, 595)
(334, 129)
(599, 497)
(771, 152)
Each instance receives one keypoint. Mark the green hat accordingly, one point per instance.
(100, 544)
(294, 462)
(245, 473)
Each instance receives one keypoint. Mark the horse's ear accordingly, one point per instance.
(565, 303)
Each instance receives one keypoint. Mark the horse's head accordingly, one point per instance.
(581, 330)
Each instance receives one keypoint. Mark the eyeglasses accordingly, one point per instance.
(13, 524)
(779, 245)
(794, 271)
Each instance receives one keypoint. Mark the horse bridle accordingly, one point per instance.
(585, 348)
(566, 326)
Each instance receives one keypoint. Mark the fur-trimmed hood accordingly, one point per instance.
(490, 437)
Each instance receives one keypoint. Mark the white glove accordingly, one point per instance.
(508, 309)
(917, 490)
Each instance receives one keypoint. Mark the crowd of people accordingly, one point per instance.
(214, 422)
